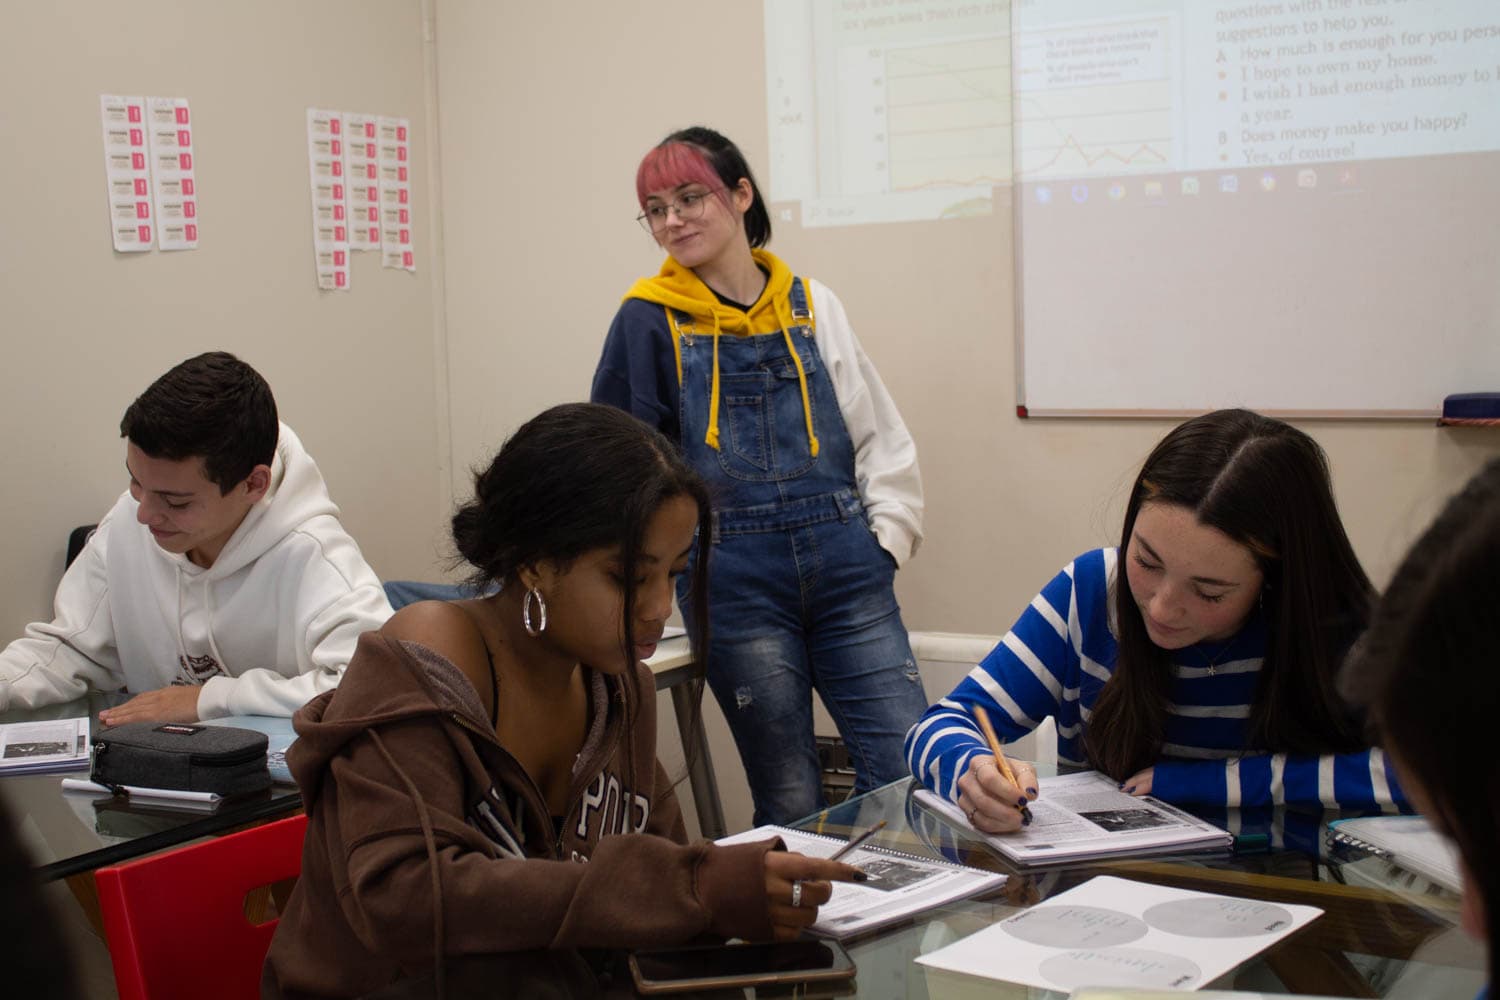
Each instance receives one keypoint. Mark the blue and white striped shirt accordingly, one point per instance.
(1057, 657)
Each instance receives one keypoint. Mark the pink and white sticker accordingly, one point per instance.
(171, 128)
(362, 160)
(127, 173)
(327, 147)
(394, 147)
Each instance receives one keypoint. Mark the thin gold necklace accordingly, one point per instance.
(1217, 658)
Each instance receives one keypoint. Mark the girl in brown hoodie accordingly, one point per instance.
(484, 779)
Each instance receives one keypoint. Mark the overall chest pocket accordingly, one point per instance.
(763, 433)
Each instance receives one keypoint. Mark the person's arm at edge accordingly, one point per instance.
(637, 368)
(635, 890)
(339, 599)
(60, 660)
(1019, 683)
(885, 456)
(1360, 779)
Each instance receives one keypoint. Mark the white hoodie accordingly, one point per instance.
(271, 624)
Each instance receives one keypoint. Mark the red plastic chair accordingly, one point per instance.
(176, 922)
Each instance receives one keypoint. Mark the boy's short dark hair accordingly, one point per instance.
(214, 407)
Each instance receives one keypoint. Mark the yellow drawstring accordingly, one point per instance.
(676, 342)
(786, 333)
(712, 437)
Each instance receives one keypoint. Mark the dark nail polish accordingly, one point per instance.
(1031, 792)
(1021, 802)
(1121, 786)
(860, 876)
(1026, 819)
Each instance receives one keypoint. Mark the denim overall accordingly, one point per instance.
(801, 594)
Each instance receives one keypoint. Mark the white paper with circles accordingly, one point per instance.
(1118, 933)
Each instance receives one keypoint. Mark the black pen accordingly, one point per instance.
(855, 842)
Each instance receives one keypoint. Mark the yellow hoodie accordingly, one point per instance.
(678, 290)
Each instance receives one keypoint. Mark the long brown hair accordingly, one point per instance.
(1429, 672)
(1266, 485)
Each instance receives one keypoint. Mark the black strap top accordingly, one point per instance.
(494, 688)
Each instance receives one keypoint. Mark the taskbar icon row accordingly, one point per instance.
(1192, 185)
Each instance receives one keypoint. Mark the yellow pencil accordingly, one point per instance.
(989, 737)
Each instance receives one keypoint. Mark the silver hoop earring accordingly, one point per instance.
(541, 603)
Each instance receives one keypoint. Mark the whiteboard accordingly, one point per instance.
(1222, 204)
(1378, 302)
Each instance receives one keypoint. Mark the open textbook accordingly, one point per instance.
(50, 745)
(1084, 816)
(1120, 933)
(900, 885)
(1409, 842)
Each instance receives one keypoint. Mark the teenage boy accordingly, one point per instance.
(221, 583)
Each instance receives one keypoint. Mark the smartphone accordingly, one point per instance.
(700, 967)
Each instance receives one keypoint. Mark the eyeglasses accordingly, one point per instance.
(689, 206)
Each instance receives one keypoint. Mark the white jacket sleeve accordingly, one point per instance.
(60, 660)
(337, 602)
(885, 456)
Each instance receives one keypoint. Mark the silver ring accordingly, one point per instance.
(797, 893)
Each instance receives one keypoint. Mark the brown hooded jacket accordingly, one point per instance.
(426, 837)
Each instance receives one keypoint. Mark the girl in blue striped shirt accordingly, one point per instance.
(1197, 661)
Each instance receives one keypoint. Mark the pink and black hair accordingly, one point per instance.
(699, 155)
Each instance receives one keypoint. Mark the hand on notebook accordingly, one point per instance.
(1138, 783)
(178, 703)
(796, 885)
(993, 804)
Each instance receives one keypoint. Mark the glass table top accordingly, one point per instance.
(1383, 933)
(68, 833)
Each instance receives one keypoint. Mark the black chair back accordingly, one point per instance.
(77, 538)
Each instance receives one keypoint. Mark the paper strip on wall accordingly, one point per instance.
(127, 172)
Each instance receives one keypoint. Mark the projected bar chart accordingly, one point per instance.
(886, 112)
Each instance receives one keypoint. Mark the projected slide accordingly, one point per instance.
(899, 110)
(1290, 205)
(887, 110)
(1097, 98)
(947, 109)
(1313, 82)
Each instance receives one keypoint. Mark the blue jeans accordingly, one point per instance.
(802, 609)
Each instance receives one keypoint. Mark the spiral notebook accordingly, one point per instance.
(1084, 816)
(48, 745)
(899, 887)
(1407, 841)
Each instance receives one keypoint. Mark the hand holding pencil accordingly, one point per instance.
(994, 791)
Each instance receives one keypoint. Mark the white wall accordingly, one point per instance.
(547, 108)
(86, 329)
(544, 111)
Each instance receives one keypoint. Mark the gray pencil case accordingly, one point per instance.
(182, 757)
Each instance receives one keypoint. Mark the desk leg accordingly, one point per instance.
(685, 697)
(87, 893)
(1316, 970)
